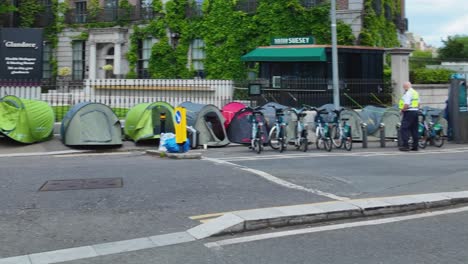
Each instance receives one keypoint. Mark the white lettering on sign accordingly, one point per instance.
(292, 41)
(12, 44)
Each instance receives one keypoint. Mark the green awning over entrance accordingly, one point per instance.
(286, 54)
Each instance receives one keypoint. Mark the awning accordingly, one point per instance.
(286, 54)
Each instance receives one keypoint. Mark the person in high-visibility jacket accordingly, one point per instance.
(409, 106)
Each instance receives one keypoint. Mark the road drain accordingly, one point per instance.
(79, 184)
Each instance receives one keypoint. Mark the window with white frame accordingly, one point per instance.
(78, 51)
(144, 54)
(198, 56)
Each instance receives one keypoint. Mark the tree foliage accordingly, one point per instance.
(6, 7)
(455, 47)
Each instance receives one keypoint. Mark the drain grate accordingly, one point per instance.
(79, 184)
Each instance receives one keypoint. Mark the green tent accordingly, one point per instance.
(24, 120)
(92, 124)
(143, 121)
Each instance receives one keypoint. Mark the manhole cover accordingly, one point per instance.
(78, 184)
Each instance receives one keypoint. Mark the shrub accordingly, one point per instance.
(430, 76)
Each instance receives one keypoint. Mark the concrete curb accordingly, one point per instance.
(186, 155)
(249, 220)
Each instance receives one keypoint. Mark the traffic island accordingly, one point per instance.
(249, 220)
(185, 155)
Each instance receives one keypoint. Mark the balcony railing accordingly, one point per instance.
(109, 15)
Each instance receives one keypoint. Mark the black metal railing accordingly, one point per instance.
(354, 93)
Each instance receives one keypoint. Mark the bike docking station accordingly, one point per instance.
(182, 144)
(458, 110)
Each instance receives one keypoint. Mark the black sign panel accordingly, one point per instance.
(21, 53)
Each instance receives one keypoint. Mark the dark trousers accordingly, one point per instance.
(409, 127)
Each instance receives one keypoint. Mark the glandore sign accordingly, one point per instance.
(21, 53)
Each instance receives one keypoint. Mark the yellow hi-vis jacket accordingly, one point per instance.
(414, 99)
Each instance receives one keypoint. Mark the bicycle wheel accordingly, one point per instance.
(318, 142)
(303, 142)
(327, 142)
(257, 145)
(336, 137)
(273, 140)
(348, 141)
(422, 143)
(438, 139)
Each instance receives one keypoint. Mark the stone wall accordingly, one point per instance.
(350, 12)
(433, 95)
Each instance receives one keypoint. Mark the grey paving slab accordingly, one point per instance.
(260, 214)
(433, 199)
(215, 226)
(331, 207)
(172, 239)
(16, 260)
(63, 255)
(409, 202)
(123, 246)
(296, 210)
(186, 155)
(457, 196)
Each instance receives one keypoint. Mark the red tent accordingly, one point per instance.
(230, 110)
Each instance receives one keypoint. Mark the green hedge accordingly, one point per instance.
(430, 76)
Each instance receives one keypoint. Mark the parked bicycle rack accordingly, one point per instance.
(364, 135)
(399, 134)
(382, 135)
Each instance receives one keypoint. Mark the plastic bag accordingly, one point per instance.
(162, 140)
(171, 145)
(186, 146)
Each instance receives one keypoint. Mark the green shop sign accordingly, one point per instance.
(293, 41)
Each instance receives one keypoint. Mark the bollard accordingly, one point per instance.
(398, 134)
(382, 135)
(364, 135)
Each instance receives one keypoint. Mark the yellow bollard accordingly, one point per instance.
(180, 117)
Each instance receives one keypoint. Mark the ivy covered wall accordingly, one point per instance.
(228, 34)
(379, 29)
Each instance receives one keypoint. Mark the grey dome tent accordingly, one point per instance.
(269, 112)
(354, 119)
(209, 123)
(91, 124)
(239, 129)
(373, 116)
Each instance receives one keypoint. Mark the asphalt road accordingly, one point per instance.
(160, 195)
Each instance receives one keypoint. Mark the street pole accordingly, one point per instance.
(336, 89)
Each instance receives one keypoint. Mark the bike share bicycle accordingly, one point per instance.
(322, 130)
(341, 131)
(300, 140)
(430, 132)
(277, 135)
(256, 140)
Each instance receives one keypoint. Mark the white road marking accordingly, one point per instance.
(93, 154)
(346, 154)
(279, 181)
(246, 239)
(42, 153)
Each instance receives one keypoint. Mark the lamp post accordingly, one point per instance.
(336, 89)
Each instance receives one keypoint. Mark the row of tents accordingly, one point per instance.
(88, 123)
